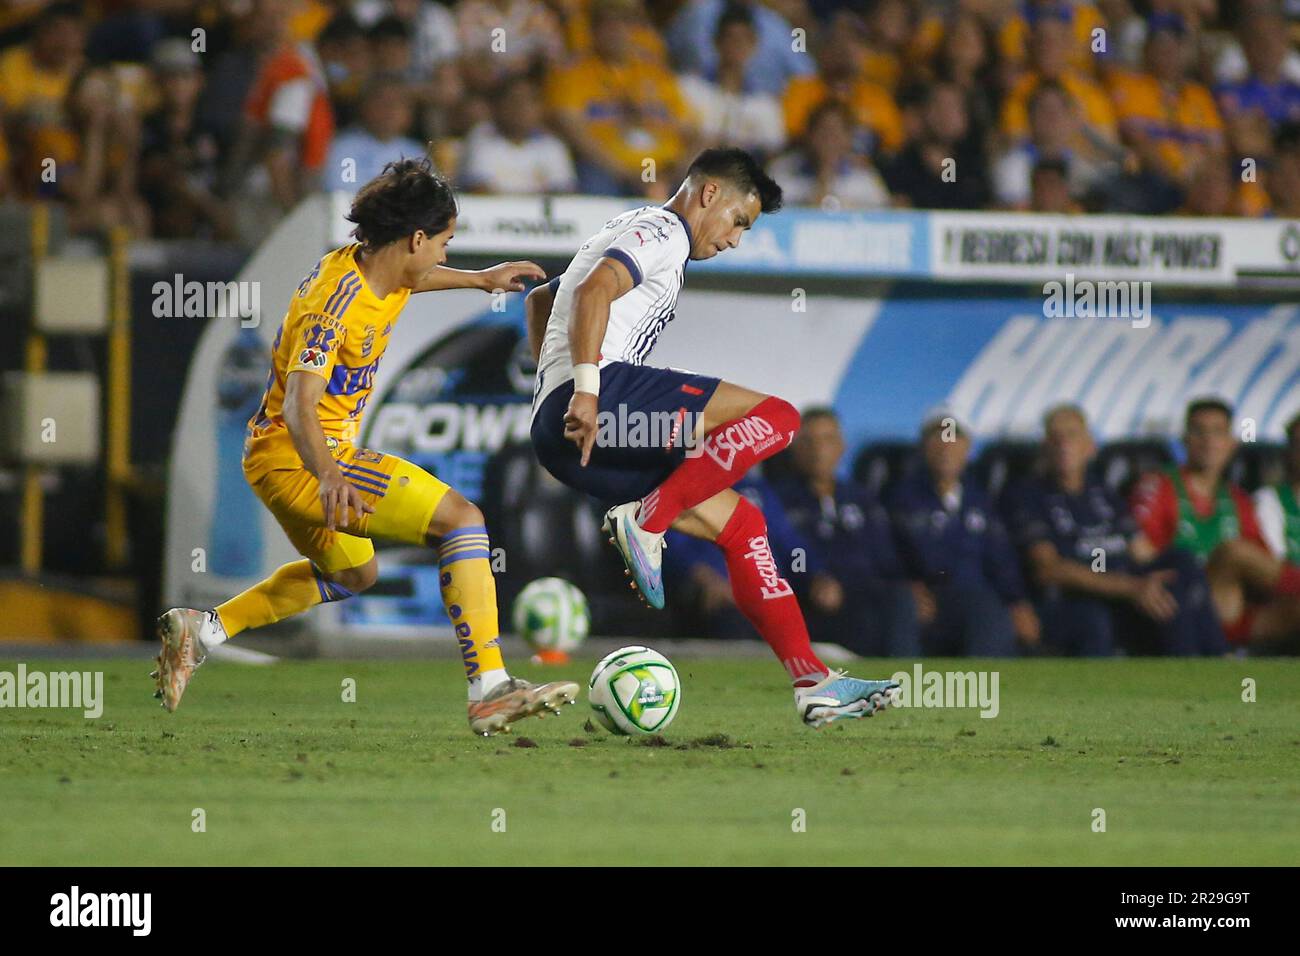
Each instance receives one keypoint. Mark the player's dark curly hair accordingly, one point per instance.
(408, 196)
(742, 171)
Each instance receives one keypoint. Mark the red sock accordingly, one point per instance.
(725, 455)
(766, 598)
(1288, 583)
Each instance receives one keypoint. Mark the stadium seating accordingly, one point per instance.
(1121, 463)
(1258, 464)
(880, 464)
(1004, 461)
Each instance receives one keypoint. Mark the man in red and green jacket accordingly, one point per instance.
(1197, 509)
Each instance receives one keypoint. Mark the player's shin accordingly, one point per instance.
(726, 453)
(469, 594)
(766, 598)
(292, 589)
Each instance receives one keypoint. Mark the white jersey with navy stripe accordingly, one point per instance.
(654, 244)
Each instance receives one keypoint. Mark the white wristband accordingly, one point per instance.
(586, 378)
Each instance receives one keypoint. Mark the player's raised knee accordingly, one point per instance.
(781, 415)
(358, 579)
(454, 512)
(791, 414)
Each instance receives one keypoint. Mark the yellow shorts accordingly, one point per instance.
(403, 495)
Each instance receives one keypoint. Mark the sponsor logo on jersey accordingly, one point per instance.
(321, 335)
(313, 357)
(365, 454)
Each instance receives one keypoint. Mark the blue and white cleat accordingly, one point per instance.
(642, 552)
(839, 696)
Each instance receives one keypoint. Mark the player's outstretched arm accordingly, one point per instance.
(503, 277)
(537, 313)
(302, 393)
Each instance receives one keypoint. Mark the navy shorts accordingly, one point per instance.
(643, 430)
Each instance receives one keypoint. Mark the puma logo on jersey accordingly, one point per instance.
(655, 233)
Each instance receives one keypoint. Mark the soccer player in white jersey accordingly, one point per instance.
(690, 437)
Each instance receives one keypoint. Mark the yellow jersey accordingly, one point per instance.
(337, 328)
(1184, 123)
(632, 110)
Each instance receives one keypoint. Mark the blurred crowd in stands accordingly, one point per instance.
(210, 118)
(1032, 548)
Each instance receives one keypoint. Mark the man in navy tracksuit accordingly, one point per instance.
(856, 593)
(1100, 584)
(970, 596)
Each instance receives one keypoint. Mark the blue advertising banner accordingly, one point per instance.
(1000, 363)
(885, 244)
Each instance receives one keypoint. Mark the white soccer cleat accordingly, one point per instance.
(515, 699)
(838, 696)
(181, 631)
(642, 552)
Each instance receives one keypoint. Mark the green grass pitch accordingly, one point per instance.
(288, 773)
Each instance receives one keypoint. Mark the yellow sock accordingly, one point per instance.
(293, 588)
(470, 596)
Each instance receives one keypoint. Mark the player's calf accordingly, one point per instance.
(458, 532)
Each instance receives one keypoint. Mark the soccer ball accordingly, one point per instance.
(634, 691)
(551, 615)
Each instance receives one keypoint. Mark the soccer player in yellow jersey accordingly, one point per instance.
(330, 496)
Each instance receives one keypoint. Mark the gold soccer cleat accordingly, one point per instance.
(516, 699)
(181, 653)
